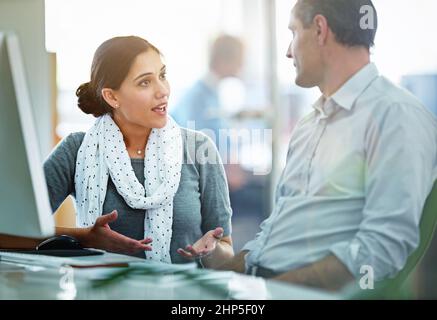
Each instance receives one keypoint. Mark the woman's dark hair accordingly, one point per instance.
(344, 18)
(111, 64)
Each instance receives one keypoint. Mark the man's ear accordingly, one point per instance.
(322, 29)
(110, 98)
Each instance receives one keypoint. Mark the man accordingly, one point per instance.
(359, 167)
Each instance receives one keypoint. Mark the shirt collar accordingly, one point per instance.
(346, 96)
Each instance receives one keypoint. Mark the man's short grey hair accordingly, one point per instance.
(344, 18)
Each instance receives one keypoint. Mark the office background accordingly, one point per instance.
(59, 38)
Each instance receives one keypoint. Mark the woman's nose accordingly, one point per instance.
(162, 90)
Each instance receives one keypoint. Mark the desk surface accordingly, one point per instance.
(50, 282)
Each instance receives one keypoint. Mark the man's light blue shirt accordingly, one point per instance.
(359, 169)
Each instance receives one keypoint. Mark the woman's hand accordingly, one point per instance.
(100, 236)
(204, 246)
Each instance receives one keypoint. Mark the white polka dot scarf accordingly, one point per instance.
(104, 153)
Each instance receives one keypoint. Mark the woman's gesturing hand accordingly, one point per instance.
(100, 236)
(204, 246)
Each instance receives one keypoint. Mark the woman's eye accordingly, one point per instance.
(144, 83)
(163, 76)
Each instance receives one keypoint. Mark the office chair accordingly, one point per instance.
(393, 288)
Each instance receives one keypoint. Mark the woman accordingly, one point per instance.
(155, 178)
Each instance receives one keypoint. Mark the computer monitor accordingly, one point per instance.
(24, 203)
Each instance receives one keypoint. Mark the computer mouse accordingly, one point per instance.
(62, 242)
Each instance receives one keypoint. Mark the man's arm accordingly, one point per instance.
(328, 273)
(237, 263)
(222, 253)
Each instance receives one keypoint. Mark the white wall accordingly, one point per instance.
(406, 41)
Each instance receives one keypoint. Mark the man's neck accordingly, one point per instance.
(343, 66)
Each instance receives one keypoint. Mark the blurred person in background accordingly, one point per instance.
(215, 105)
(201, 105)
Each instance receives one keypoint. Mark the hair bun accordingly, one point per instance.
(88, 102)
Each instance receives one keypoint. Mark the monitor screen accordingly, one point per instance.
(24, 203)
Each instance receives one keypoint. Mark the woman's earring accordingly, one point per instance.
(116, 106)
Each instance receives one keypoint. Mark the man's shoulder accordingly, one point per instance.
(394, 93)
(384, 97)
(198, 90)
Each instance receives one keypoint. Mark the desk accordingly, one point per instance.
(37, 282)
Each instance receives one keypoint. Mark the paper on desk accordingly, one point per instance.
(108, 259)
(163, 267)
(7, 267)
(105, 260)
(136, 268)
